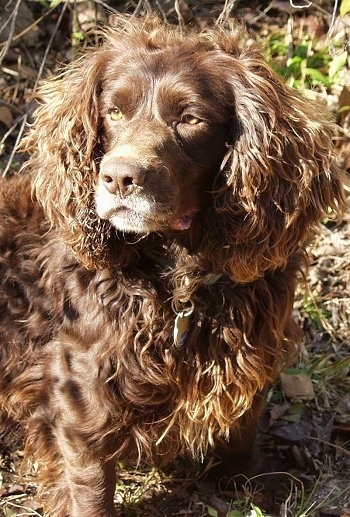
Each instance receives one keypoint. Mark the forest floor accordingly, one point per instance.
(306, 424)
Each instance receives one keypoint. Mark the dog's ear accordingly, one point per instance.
(281, 176)
(63, 145)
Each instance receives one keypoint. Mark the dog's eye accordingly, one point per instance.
(115, 114)
(192, 120)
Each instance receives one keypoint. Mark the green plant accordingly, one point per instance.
(307, 62)
(344, 7)
(317, 314)
(50, 4)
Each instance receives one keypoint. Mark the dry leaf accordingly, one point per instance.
(297, 385)
(6, 116)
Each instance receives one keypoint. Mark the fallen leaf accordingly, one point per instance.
(297, 385)
(6, 116)
(277, 412)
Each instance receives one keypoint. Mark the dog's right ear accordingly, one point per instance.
(63, 137)
(63, 146)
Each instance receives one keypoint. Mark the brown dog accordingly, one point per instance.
(149, 255)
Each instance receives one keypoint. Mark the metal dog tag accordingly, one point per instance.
(181, 328)
(182, 322)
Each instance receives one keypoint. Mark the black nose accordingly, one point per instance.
(123, 176)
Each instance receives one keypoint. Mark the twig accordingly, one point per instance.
(65, 4)
(19, 136)
(178, 12)
(29, 28)
(229, 6)
(335, 446)
(331, 25)
(13, 17)
(106, 6)
(305, 6)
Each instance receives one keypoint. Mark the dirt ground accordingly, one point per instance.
(305, 430)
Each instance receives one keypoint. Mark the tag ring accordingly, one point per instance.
(186, 311)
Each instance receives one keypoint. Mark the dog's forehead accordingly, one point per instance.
(181, 59)
(186, 70)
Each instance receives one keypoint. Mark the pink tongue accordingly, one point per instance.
(182, 223)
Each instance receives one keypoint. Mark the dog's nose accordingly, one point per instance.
(121, 176)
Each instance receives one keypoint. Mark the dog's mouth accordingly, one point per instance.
(142, 215)
(128, 220)
(182, 223)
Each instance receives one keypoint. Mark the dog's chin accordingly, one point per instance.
(128, 221)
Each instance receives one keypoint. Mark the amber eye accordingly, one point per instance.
(190, 119)
(115, 114)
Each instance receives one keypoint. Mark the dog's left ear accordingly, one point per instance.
(281, 177)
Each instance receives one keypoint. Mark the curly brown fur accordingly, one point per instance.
(167, 167)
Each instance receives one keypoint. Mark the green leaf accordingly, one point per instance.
(344, 7)
(78, 36)
(55, 3)
(295, 60)
(337, 63)
(235, 513)
(294, 419)
(256, 512)
(212, 512)
(44, 3)
(317, 76)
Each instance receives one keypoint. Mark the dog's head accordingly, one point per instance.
(167, 121)
(170, 131)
